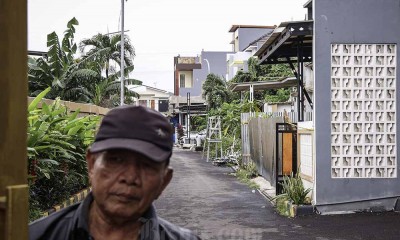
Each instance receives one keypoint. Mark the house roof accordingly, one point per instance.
(235, 27)
(37, 53)
(262, 38)
(308, 4)
(286, 82)
(134, 87)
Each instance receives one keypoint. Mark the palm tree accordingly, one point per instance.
(215, 91)
(105, 49)
(106, 92)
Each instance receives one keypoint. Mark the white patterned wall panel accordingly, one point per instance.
(363, 111)
(306, 155)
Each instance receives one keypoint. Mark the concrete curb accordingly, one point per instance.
(78, 197)
(266, 190)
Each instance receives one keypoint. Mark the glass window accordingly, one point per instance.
(182, 80)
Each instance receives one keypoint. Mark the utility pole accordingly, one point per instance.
(188, 115)
(122, 53)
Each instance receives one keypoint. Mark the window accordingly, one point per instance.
(182, 80)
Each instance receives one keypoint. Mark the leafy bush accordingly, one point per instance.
(246, 173)
(198, 123)
(230, 116)
(293, 189)
(57, 141)
(282, 95)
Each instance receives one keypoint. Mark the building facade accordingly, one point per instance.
(356, 69)
(348, 153)
(191, 72)
(151, 97)
(183, 74)
(189, 75)
(246, 39)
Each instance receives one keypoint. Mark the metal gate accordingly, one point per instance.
(286, 157)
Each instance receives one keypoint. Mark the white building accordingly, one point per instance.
(151, 97)
(244, 46)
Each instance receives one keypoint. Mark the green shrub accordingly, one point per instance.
(246, 173)
(198, 123)
(57, 142)
(281, 207)
(293, 189)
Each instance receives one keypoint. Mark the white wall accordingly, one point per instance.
(277, 107)
(148, 94)
(188, 78)
(236, 62)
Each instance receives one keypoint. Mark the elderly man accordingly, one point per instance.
(128, 166)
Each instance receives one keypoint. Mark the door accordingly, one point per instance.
(13, 121)
(286, 157)
(163, 105)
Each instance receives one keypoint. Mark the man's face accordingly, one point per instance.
(125, 183)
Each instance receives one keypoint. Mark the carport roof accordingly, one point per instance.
(286, 82)
(282, 44)
(194, 109)
(235, 27)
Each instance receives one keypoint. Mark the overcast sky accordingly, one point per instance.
(158, 29)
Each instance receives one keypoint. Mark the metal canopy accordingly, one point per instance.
(258, 86)
(281, 46)
(193, 109)
(291, 43)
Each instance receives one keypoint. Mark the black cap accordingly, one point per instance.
(138, 129)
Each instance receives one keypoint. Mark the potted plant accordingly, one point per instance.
(294, 201)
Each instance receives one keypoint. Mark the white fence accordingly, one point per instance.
(292, 116)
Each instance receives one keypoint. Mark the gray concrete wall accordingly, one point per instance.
(217, 62)
(352, 22)
(248, 35)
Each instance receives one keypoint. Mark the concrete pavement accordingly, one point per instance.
(212, 202)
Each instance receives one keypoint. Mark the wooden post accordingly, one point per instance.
(13, 120)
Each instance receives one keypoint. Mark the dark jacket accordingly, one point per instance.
(72, 224)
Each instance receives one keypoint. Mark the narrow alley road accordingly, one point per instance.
(214, 204)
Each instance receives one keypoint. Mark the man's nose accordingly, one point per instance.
(131, 173)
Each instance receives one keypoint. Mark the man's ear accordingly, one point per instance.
(169, 172)
(90, 159)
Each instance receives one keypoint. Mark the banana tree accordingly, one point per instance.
(60, 70)
(56, 144)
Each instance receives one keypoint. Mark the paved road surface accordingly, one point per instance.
(210, 201)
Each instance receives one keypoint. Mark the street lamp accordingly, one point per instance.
(122, 52)
(208, 64)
